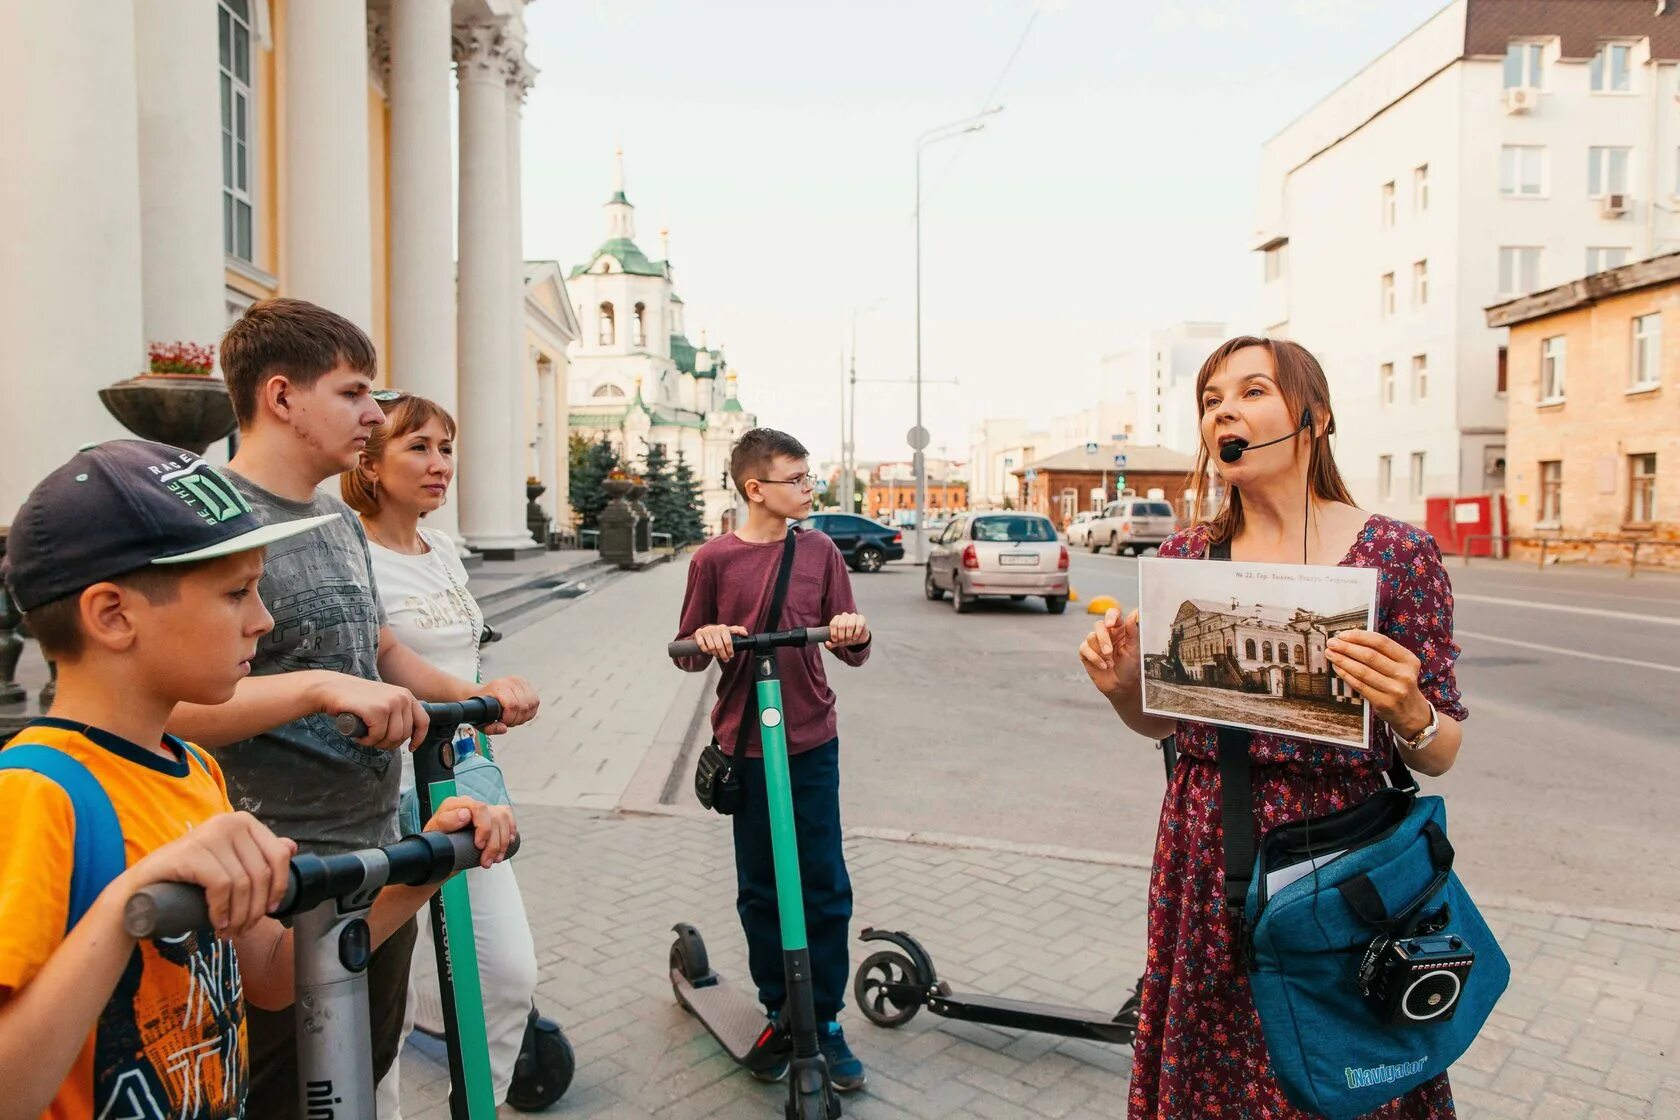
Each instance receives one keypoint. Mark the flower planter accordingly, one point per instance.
(186, 410)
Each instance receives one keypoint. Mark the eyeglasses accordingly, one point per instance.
(804, 481)
(385, 395)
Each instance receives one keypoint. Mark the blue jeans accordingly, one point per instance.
(815, 777)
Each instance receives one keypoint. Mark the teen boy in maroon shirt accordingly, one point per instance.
(730, 584)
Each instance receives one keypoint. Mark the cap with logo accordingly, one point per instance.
(124, 505)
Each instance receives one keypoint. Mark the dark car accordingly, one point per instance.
(865, 544)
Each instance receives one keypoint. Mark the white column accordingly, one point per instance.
(70, 227)
(491, 486)
(180, 172)
(422, 358)
(520, 364)
(326, 258)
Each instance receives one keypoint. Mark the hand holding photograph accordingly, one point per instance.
(1243, 645)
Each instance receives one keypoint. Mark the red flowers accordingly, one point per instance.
(181, 357)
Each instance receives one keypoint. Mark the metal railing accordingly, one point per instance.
(1632, 544)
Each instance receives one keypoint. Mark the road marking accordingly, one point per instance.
(1574, 653)
(1595, 611)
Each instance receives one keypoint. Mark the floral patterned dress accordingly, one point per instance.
(1199, 1053)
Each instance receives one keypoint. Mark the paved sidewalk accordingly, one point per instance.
(1588, 1031)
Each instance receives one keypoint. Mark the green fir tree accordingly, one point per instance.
(590, 463)
(691, 522)
(660, 500)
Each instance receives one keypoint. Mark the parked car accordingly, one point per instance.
(1131, 525)
(1079, 529)
(865, 544)
(1013, 554)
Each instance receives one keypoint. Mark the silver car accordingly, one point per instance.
(1013, 554)
(1131, 525)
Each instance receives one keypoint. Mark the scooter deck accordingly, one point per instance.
(734, 1018)
(1044, 1018)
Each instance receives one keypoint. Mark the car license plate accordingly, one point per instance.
(1017, 561)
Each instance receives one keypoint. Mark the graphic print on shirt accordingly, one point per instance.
(196, 1069)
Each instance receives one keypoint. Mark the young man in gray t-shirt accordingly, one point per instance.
(300, 377)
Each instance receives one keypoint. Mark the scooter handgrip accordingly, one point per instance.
(816, 635)
(688, 647)
(466, 851)
(165, 910)
(350, 725)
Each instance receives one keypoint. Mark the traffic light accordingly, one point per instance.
(1120, 482)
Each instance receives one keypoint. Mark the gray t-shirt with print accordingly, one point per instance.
(303, 779)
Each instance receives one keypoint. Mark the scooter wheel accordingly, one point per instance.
(816, 1104)
(545, 1067)
(688, 954)
(874, 988)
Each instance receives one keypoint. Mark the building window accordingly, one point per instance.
(1274, 266)
(1607, 171)
(608, 390)
(1388, 205)
(1612, 69)
(1522, 65)
(1551, 492)
(1420, 188)
(1519, 270)
(1417, 476)
(1642, 489)
(1385, 477)
(1265, 651)
(1385, 382)
(1420, 283)
(1522, 170)
(1604, 257)
(639, 331)
(609, 328)
(1387, 294)
(1503, 371)
(1647, 351)
(233, 19)
(1249, 647)
(1300, 654)
(1420, 377)
(1554, 354)
(1283, 653)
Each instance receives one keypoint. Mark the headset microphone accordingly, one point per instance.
(1234, 450)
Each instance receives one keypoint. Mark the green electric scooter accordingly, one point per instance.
(731, 1014)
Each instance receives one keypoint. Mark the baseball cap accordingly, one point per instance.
(124, 505)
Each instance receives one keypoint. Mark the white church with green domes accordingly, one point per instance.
(635, 377)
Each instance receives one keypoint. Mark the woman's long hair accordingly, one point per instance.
(404, 414)
(1302, 382)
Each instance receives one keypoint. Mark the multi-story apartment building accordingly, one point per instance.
(1504, 147)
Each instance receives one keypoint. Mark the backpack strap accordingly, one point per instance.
(98, 852)
(777, 597)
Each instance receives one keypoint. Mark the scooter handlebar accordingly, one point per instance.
(802, 636)
(477, 711)
(173, 909)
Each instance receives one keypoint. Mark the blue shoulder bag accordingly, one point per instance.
(1371, 968)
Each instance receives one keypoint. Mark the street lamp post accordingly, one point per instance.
(932, 136)
(848, 427)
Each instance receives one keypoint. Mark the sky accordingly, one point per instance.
(1114, 193)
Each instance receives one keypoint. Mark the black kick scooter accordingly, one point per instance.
(472, 1093)
(892, 985)
(732, 1015)
(328, 899)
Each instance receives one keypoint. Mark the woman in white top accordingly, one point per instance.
(404, 474)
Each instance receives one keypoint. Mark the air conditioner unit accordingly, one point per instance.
(1613, 205)
(1522, 99)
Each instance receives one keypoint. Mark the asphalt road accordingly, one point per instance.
(1565, 793)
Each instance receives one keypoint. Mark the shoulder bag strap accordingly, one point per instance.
(1236, 795)
(98, 854)
(770, 622)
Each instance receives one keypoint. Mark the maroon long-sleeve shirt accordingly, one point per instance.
(732, 581)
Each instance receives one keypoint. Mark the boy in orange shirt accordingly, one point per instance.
(136, 566)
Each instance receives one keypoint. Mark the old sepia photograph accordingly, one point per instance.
(1243, 645)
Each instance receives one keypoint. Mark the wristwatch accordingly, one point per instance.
(1424, 737)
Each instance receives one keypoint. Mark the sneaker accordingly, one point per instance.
(845, 1072)
(778, 1071)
